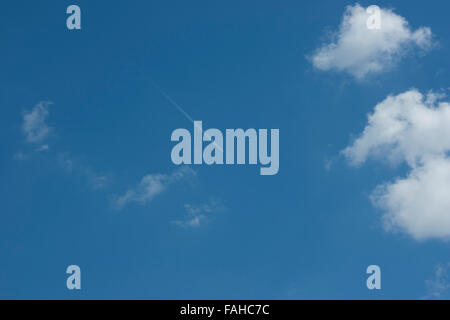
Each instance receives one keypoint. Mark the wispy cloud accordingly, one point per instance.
(191, 221)
(20, 156)
(42, 148)
(197, 215)
(99, 181)
(35, 129)
(34, 126)
(361, 51)
(73, 165)
(150, 186)
(439, 286)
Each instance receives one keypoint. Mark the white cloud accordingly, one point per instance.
(34, 125)
(197, 215)
(414, 129)
(35, 129)
(150, 186)
(419, 203)
(405, 127)
(439, 286)
(361, 51)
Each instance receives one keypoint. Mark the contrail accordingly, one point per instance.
(172, 102)
(176, 105)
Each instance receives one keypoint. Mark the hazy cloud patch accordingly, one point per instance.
(199, 214)
(150, 186)
(438, 287)
(34, 125)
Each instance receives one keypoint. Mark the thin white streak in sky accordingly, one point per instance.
(176, 105)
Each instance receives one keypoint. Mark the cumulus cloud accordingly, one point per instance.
(150, 186)
(414, 129)
(34, 125)
(419, 203)
(406, 127)
(360, 51)
(198, 215)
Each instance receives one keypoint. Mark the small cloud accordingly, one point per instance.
(213, 205)
(198, 215)
(65, 162)
(99, 181)
(20, 156)
(191, 222)
(35, 129)
(34, 124)
(42, 148)
(328, 163)
(439, 286)
(361, 51)
(150, 186)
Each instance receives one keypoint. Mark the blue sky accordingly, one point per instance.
(308, 232)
